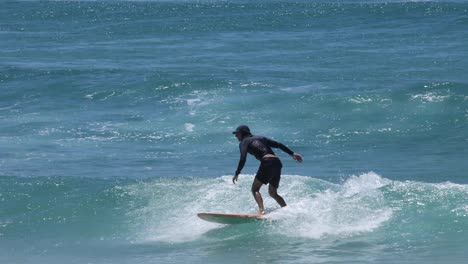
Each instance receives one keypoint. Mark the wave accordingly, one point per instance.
(164, 210)
(316, 209)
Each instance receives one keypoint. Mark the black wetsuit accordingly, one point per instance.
(270, 168)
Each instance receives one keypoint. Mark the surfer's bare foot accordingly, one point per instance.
(261, 212)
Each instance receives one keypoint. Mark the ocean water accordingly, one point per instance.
(116, 120)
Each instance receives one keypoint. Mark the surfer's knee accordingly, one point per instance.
(273, 193)
(255, 189)
(256, 185)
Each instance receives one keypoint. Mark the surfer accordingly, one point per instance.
(269, 171)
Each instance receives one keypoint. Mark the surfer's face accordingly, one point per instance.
(239, 136)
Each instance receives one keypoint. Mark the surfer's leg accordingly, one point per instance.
(274, 193)
(256, 185)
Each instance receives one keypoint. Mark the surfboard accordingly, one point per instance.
(230, 219)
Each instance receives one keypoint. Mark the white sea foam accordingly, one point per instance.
(170, 215)
(430, 97)
(360, 100)
(461, 210)
(189, 127)
(195, 101)
(353, 207)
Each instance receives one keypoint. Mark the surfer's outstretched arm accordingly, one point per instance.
(297, 157)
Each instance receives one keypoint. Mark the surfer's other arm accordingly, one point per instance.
(236, 175)
(243, 145)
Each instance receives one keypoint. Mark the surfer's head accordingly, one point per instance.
(241, 132)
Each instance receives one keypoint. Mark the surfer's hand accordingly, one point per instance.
(297, 157)
(234, 179)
